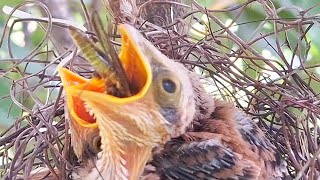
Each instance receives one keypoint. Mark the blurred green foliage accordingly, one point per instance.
(5, 84)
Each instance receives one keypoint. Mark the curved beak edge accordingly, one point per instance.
(79, 89)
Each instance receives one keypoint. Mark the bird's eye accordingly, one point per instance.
(169, 86)
(96, 144)
(167, 90)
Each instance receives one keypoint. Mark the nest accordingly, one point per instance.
(279, 90)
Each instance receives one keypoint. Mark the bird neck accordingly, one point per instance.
(128, 164)
(205, 104)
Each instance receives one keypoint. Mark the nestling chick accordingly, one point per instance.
(171, 124)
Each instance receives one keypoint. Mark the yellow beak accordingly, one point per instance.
(138, 72)
(129, 127)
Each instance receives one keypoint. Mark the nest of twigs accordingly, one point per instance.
(280, 91)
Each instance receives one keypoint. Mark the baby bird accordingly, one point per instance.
(169, 128)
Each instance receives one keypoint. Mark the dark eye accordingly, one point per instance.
(169, 85)
(96, 144)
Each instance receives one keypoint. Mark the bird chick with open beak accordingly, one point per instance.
(130, 127)
(170, 128)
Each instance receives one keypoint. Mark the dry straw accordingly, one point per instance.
(279, 91)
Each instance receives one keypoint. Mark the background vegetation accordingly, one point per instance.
(264, 56)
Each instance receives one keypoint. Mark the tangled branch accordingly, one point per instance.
(278, 90)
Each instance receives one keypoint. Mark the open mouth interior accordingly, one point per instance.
(137, 71)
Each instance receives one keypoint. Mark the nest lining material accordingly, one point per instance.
(280, 94)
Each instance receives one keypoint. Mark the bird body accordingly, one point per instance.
(224, 145)
(169, 129)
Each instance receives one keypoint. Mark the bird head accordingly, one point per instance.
(161, 107)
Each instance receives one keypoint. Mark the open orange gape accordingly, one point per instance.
(77, 88)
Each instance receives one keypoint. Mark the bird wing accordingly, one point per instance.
(227, 145)
(254, 136)
(207, 159)
(260, 144)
